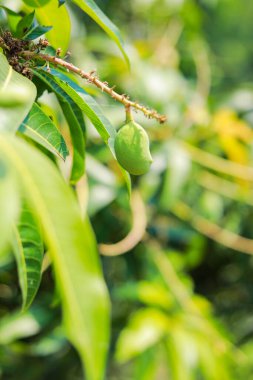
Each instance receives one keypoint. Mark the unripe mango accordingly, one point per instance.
(132, 148)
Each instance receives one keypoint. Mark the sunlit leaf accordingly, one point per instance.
(17, 95)
(79, 277)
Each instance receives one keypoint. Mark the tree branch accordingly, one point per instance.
(91, 78)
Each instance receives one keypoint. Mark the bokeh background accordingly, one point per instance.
(182, 296)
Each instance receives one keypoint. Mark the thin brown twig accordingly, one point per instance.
(92, 78)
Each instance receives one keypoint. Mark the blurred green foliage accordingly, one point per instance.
(182, 298)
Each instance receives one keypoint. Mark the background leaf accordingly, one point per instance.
(13, 18)
(91, 8)
(57, 17)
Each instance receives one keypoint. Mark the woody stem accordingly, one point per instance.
(91, 78)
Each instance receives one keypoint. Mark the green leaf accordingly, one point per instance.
(28, 249)
(70, 111)
(36, 3)
(40, 128)
(74, 117)
(13, 19)
(25, 24)
(57, 17)
(9, 202)
(91, 8)
(90, 108)
(66, 78)
(36, 32)
(76, 96)
(17, 95)
(72, 247)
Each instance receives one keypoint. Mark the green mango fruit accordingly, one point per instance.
(132, 148)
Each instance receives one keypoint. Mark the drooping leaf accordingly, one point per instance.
(28, 249)
(74, 117)
(57, 17)
(25, 24)
(93, 111)
(36, 32)
(77, 97)
(79, 277)
(19, 91)
(91, 8)
(39, 127)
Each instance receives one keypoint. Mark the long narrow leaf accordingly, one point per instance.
(70, 111)
(39, 127)
(76, 96)
(74, 117)
(28, 249)
(73, 250)
(90, 107)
